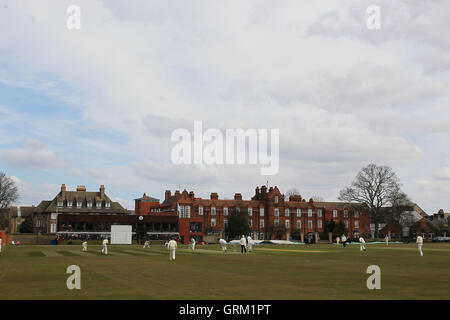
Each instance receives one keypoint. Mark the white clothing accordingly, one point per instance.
(105, 246)
(337, 240)
(419, 242)
(361, 244)
(387, 240)
(344, 238)
(85, 246)
(172, 245)
(243, 242)
(193, 244)
(249, 243)
(223, 243)
(146, 244)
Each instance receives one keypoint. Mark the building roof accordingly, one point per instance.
(84, 197)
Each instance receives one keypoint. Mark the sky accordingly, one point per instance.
(97, 105)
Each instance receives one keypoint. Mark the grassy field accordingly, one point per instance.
(269, 272)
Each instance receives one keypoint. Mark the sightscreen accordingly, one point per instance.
(121, 234)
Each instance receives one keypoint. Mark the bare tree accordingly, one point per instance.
(317, 198)
(292, 192)
(375, 187)
(8, 191)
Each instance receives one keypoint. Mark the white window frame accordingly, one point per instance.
(299, 212)
(335, 213)
(310, 224)
(89, 204)
(200, 210)
(107, 205)
(69, 204)
(310, 212)
(261, 223)
(181, 213)
(276, 223)
(286, 212)
(213, 211)
(98, 205)
(356, 214)
(299, 224)
(53, 228)
(346, 224)
(213, 222)
(250, 212)
(60, 204)
(356, 224)
(345, 213)
(53, 216)
(276, 212)
(319, 223)
(261, 212)
(187, 211)
(276, 199)
(319, 213)
(287, 224)
(225, 211)
(79, 204)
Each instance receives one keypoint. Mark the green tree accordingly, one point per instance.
(339, 229)
(27, 225)
(237, 223)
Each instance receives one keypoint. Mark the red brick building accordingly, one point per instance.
(270, 214)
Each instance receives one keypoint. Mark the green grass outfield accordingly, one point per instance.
(270, 272)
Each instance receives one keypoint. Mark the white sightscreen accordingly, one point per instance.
(120, 234)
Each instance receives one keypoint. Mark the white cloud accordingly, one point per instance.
(32, 155)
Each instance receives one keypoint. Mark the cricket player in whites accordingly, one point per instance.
(0, 244)
(147, 244)
(361, 243)
(419, 242)
(193, 244)
(172, 246)
(243, 243)
(249, 243)
(105, 247)
(337, 240)
(387, 240)
(223, 243)
(84, 245)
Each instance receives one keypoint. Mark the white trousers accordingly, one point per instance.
(361, 246)
(419, 246)
(105, 249)
(224, 248)
(192, 246)
(0, 248)
(84, 248)
(249, 247)
(172, 254)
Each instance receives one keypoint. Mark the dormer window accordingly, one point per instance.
(69, 204)
(79, 204)
(99, 205)
(60, 204)
(108, 205)
(276, 199)
(89, 204)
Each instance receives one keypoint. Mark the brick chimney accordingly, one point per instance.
(237, 196)
(191, 195)
(81, 188)
(214, 196)
(102, 190)
(168, 194)
(63, 191)
(177, 192)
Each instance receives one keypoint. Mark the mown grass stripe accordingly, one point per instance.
(36, 254)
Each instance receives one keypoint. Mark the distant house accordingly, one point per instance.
(410, 221)
(47, 216)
